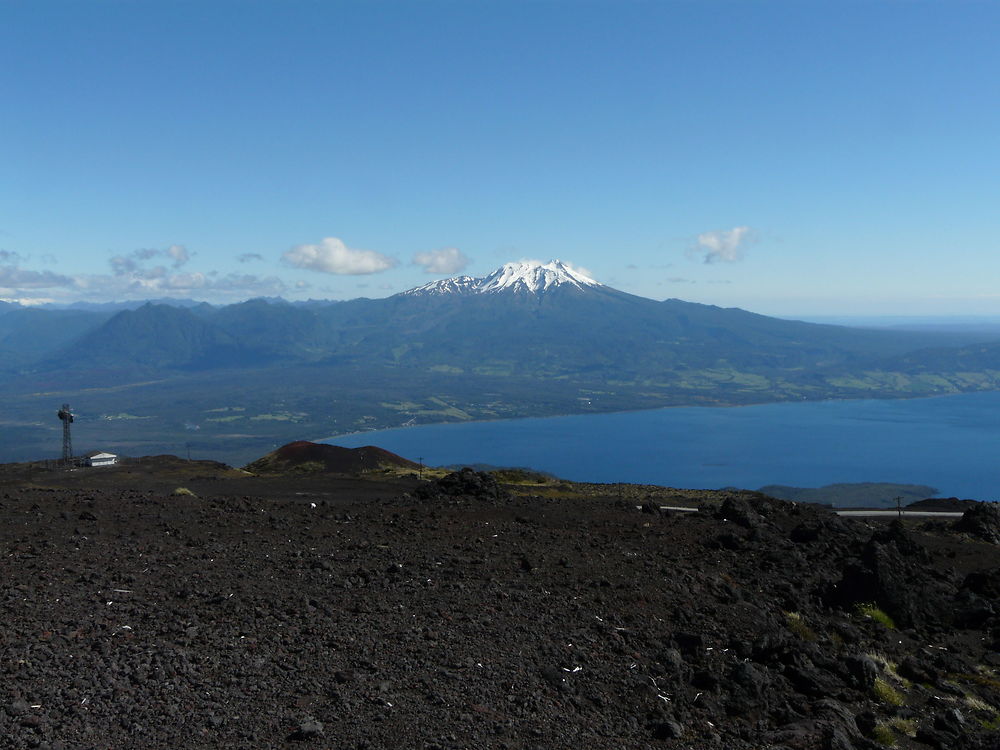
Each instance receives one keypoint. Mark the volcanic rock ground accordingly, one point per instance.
(339, 612)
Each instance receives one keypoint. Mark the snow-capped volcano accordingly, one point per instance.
(522, 276)
(454, 285)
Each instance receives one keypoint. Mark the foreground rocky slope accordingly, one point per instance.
(346, 613)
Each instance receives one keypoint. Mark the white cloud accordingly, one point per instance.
(179, 254)
(580, 269)
(28, 301)
(156, 282)
(132, 278)
(331, 255)
(130, 264)
(445, 260)
(247, 257)
(12, 277)
(185, 281)
(723, 245)
(234, 284)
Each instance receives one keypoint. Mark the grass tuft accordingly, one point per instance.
(989, 681)
(871, 611)
(889, 667)
(906, 727)
(798, 626)
(887, 693)
(884, 735)
(978, 704)
(183, 491)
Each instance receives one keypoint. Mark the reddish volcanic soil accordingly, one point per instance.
(349, 613)
(331, 458)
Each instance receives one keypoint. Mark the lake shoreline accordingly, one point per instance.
(656, 409)
(942, 441)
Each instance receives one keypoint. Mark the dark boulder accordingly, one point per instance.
(918, 670)
(465, 483)
(893, 574)
(981, 521)
(862, 670)
(984, 583)
(740, 512)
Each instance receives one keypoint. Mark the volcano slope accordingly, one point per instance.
(354, 613)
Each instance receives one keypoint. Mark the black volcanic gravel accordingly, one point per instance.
(461, 617)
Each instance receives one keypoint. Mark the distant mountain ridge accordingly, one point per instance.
(528, 339)
(528, 319)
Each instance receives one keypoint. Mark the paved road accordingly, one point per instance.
(906, 513)
(856, 513)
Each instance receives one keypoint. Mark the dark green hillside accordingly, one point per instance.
(571, 332)
(274, 329)
(153, 338)
(974, 358)
(28, 333)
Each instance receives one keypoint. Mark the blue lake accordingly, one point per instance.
(951, 443)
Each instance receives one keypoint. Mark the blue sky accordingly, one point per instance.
(791, 158)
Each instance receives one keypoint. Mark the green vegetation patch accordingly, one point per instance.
(989, 681)
(282, 416)
(519, 476)
(907, 727)
(886, 693)
(798, 626)
(884, 735)
(871, 611)
(449, 410)
(400, 405)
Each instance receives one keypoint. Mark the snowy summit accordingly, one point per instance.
(523, 276)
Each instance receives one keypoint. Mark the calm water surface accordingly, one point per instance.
(951, 443)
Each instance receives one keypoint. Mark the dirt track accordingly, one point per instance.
(347, 614)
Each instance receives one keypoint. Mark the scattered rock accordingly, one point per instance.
(668, 730)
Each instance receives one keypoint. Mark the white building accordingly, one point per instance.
(100, 459)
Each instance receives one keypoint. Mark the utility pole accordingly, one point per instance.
(66, 416)
(420, 475)
(899, 506)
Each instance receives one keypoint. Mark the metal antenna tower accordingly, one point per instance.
(67, 419)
